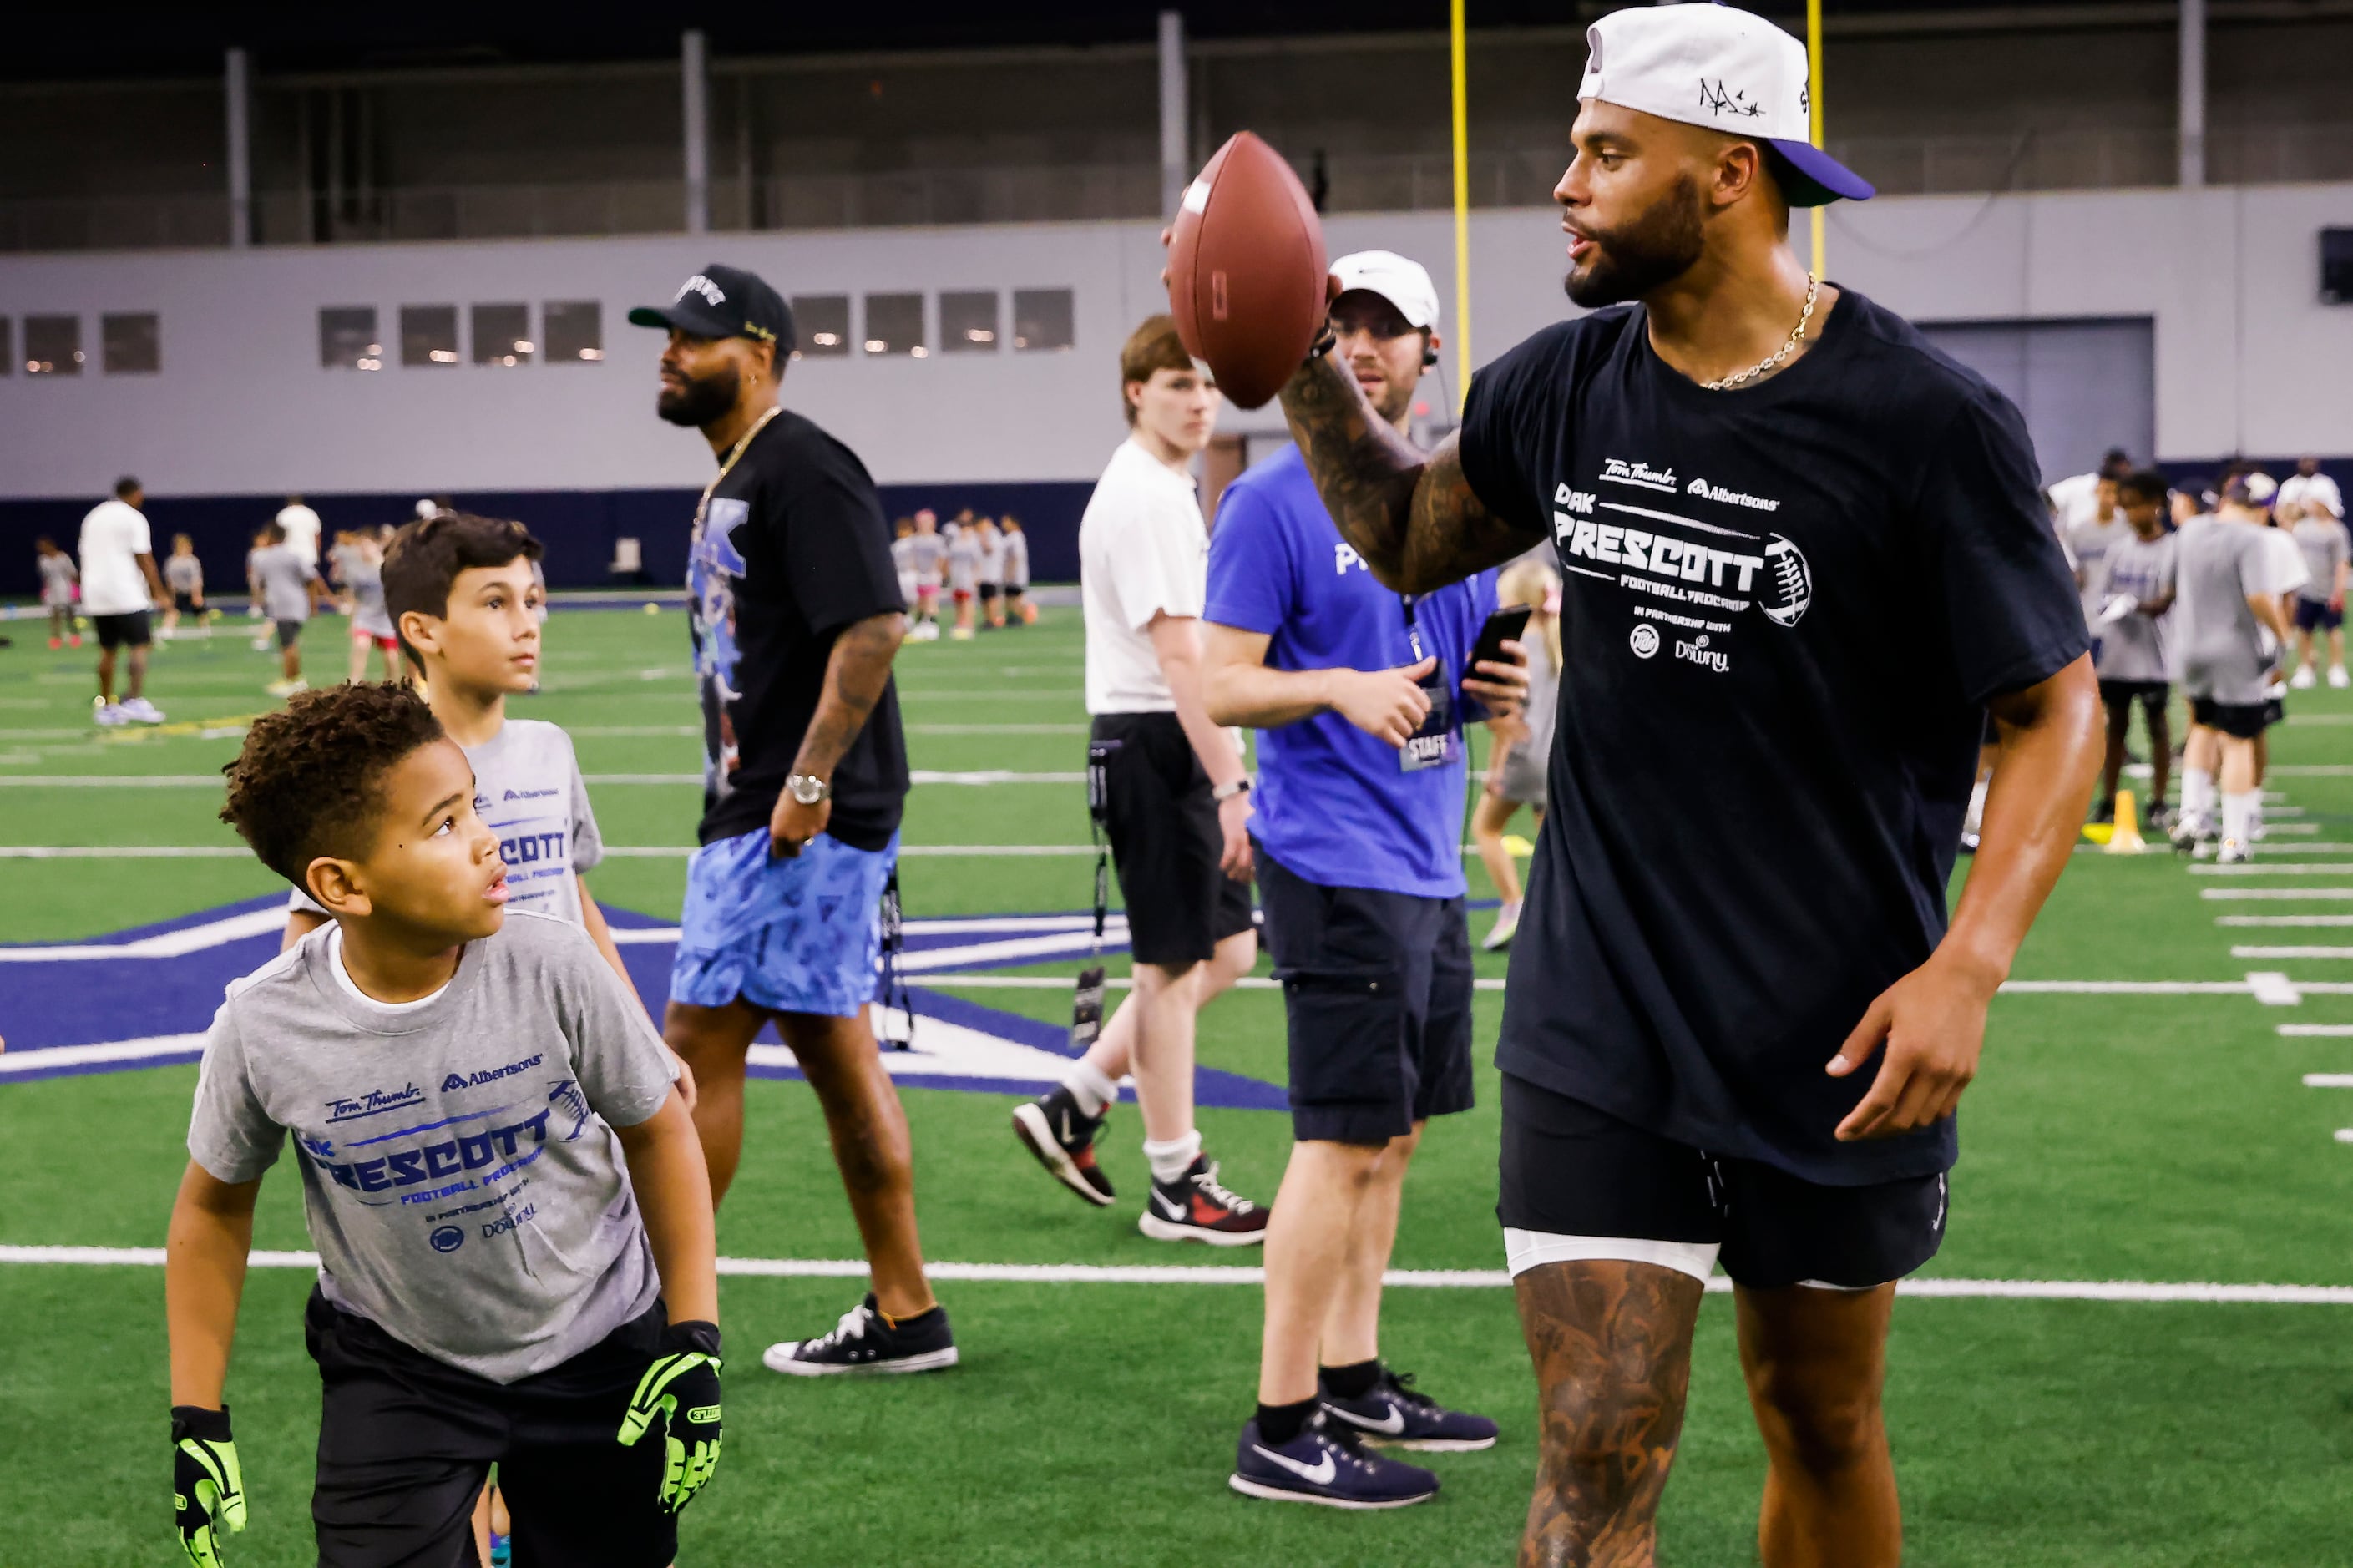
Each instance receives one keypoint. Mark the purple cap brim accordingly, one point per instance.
(1813, 178)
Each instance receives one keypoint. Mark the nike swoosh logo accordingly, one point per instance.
(1174, 1210)
(1318, 1474)
(1388, 1425)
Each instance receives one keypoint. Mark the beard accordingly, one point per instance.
(1653, 251)
(701, 401)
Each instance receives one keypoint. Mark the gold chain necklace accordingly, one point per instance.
(1796, 335)
(729, 461)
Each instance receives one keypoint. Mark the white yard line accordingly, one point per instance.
(2328, 1081)
(2135, 1290)
(2317, 869)
(2307, 921)
(991, 730)
(2292, 952)
(213, 781)
(2236, 893)
(2314, 770)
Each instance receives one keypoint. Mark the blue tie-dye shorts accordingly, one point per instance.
(799, 935)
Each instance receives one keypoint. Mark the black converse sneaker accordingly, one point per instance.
(1197, 1207)
(867, 1340)
(1063, 1138)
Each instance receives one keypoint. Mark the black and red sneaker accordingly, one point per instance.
(1197, 1207)
(1063, 1138)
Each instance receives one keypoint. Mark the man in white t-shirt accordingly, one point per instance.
(302, 526)
(2308, 492)
(119, 584)
(1169, 788)
(2076, 498)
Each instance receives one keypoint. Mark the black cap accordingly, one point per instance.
(725, 302)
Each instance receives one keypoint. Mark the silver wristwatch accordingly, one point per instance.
(808, 789)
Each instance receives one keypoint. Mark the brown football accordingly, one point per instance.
(1246, 270)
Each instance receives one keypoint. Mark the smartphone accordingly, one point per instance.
(1502, 626)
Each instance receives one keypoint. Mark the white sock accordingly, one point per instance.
(1173, 1158)
(1090, 1086)
(2238, 815)
(2196, 794)
(1975, 817)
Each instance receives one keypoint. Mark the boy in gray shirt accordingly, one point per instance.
(2132, 660)
(2229, 600)
(290, 590)
(508, 1198)
(2321, 539)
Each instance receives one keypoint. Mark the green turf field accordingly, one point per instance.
(2138, 1137)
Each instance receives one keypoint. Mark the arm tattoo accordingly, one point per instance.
(854, 678)
(1412, 517)
(1611, 1344)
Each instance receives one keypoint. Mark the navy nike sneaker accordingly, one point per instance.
(1053, 1128)
(1393, 1415)
(1325, 1464)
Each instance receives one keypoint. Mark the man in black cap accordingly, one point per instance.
(794, 606)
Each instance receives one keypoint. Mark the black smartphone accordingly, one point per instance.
(1503, 626)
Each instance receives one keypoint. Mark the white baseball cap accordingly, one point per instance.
(1403, 283)
(1724, 68)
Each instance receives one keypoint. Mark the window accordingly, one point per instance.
(428, 334)
(130, 344)
(502, 334)
(53, 345)
(7, 350)
(347, 338)
(1041, 318)
(894, 324)
(572, 330)
(969, 323)
(823, 322)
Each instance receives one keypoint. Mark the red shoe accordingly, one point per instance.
(55, 643)
(77, 639)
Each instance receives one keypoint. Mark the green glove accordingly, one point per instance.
(682, 1388)
(208, 1487)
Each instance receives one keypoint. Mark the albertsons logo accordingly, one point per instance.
(457, 1081)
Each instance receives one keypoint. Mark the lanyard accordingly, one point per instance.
(1412, 630)
(728, 462)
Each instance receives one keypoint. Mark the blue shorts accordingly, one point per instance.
(799, 935)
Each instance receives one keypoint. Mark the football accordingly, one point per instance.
(1789, 585)
(1246, 270)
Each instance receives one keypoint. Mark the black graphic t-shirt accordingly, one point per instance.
(1783, 609)
(791, 548)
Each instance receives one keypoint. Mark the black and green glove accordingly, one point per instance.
(208, 1487)
(682, 1388)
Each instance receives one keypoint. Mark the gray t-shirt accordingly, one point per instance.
(2134, 647)
(365, 578)
(2325, 547)
(59, 575)
(1016, 559)
(2090, 542)
(284, 577)
(925, 555)
(963, 561)
(461, 1179)
(2218, 643)
(528, 791)
(184, 574)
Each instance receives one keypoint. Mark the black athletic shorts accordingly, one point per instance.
(1156, 811)
(130, 628)
(184, 601)
(2115, 694)
(1376, 992)
(2314, 616)
(1572, 1173)
(988, 591)
(405, 1443)
(2240, 721)
(289, 633)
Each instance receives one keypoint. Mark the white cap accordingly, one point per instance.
(1403, 283)
(1725, 69)
(426, 509)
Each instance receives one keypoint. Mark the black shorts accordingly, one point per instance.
(2119, 695)
(289, 633)
(1157, 810)
(184, 601)
(988, 591)
(2314, 615)
(405, 1443)
(1572, 1173)
(1015, 590)
(1377, 991)
(116, 631)
(2240, 721)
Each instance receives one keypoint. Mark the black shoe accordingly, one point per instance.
(1324, 1465)
(1063, 1138)
(2105, 811)
(867, 1342)
(1197, 1207)
(1391, 1415)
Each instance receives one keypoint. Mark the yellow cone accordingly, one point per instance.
(2126, 838)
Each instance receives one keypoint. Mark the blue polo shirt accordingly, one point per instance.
(1333, 806)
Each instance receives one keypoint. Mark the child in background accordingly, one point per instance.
(902, 558)
(927, 553)
(1016, 572)
(253, 607)
(1522, 749)
(59, 577)
(517, 1263)
(2134, 661)
(992, 573)
(289, 590)
(2320, 603)
(964, 574)
(185, 576)
(363, 569)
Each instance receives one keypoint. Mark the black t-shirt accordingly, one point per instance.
(791, 548)
(1783, 610)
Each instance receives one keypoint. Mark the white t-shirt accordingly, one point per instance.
(302, 526)
(113, 536)
(2076, 500)
(2311, 488)
(1144, 551)
(2284, 568)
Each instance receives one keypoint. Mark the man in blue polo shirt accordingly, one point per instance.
(1362, 696)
